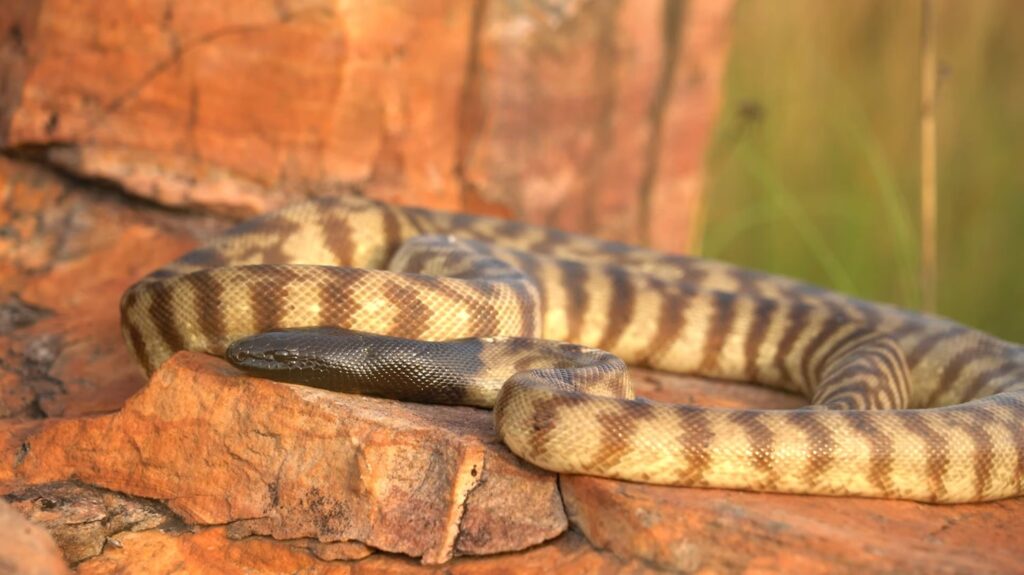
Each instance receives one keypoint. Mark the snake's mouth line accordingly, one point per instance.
(250, 360)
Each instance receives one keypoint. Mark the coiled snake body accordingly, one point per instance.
(906, 406)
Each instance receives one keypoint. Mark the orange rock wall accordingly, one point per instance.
(591, 116)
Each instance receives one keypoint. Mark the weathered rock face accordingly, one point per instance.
(294, 462)
(211, 551)
(66, 254)
(82, 519)
(341, 476)
(691, 530)
(592, 115)
(26, 548)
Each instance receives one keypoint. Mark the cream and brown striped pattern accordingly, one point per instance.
(907, 406)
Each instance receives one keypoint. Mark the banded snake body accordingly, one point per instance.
(905, 405)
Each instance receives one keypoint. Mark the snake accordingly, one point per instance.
(356, 295)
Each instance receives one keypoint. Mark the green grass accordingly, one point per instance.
(814, 171)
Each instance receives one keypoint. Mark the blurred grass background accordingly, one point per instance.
(814, 171)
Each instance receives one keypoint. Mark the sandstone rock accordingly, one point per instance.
(210, 551)
(592, 115)
(73, 252)
(338, 551)
(296, 462)
(81, 519)
(719, 531)
(25, 548)
(697, 530)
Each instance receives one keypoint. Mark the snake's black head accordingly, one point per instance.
(291, 355)
(327, 357)
(356, 362)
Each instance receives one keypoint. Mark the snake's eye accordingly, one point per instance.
(283, 355)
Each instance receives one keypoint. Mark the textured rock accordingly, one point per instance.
(66, 254)
(719, 531)
(339, 551)
(82, 519)
(594, 115)
(25, 548)
(296, 462)
(209, 551)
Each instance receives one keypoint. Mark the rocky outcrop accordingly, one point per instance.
(66, 254)
(299, 463)
(591, 115)
(706, 530)
(84, 519)
(213, 551)
(26, 548)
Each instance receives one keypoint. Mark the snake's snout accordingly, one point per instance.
(312, 356)
(263, 353)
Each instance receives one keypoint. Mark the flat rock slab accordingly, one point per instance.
(718, 531)
(296, 462)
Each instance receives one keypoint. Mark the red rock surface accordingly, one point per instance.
(210, 551)
(26, 548)
(593, 115)
(82, 519)
(718, 531)
(66, 254)
(295, 462)
(429, 481)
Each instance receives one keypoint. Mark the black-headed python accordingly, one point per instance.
(905, 406)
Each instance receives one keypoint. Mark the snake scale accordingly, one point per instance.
(904, 405)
